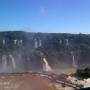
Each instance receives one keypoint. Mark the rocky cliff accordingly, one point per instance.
(24, 51)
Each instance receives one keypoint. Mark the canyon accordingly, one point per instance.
(25, 51)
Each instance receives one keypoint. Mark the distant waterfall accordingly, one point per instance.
(46, 66)
(4, 61)
(13, 61)
(74, 63)
(67, 42)
(40, 43)
(3, 42)
(36, 43)
(15, 41)
(60, 41)
(20, 42)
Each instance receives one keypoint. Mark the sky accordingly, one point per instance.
(59, 16)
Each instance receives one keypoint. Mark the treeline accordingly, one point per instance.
(83, 73)
(55, 41)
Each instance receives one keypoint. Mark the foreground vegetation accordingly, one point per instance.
(83, 73)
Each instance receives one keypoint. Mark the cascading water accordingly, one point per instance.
(73, 60)
(4, 62)
(15, 41)
(67, 42)
(60, 41)
(46, 66)
(3, 42)
(40, 43)
(13, 61)
(36, 43)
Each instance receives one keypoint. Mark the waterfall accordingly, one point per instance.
(3, 42)
(73, 60)
(4, 62)
(15, 41)
(67, 42)
(13, 61)
(60, 41)
(40, 43)
(46, 66)
(36, 43)
(74, 63)
(21, 41)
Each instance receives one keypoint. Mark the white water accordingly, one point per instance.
(46, 66)
(21, 41)
(67, 42)
(60, 41)
(4, 62)
(36, 43)
(3, 42)
(74, 63)
(15, 41)
(40, 43)
(13, 61)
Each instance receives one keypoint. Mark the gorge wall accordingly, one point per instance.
(24, 51)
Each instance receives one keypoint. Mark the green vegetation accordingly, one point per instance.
(83, 73)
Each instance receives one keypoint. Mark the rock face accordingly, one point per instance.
(24, 51)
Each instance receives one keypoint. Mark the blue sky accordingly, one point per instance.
(65, 16)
